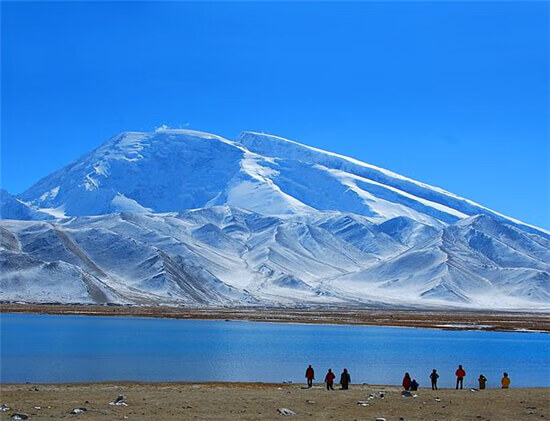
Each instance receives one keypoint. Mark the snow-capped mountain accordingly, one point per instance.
(185, 217)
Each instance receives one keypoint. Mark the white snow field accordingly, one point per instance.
(180, 217)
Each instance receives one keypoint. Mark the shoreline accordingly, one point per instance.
(250, 385)
(262, 401)
(432, 319)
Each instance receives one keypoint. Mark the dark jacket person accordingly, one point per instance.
(310, 375)
(433, 377)
(482, 381)
(345, 379)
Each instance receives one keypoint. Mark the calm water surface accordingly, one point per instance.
(48, 348)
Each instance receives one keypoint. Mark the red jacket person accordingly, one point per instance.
(329, 379)
(460, 374)
(406, 381)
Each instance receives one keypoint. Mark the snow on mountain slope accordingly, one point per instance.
(384, 185)
(173, 170)
(25, 278)
(190, 218)
(24, 275)
(407, 231)
(123, 256)
(227, 256)
(13, 208)
(139, 172)
(476, 262)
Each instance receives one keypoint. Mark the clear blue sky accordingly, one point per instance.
(452, 94)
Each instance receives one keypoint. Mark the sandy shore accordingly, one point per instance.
(247, 401)
(455, 320)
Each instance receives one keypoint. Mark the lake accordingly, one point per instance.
(50, 348)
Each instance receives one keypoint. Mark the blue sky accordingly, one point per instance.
(455, 94)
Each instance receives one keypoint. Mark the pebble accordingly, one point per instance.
(119, 401)
(286, 412)
(380, 419)
(78, 410)
(4, 408)
(19, 416)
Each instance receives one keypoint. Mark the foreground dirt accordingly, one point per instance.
(246, 401)
(454, 320)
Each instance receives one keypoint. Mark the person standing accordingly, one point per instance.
(329, 379)
(406, 381)
(505, 381)
(310, 375)
(482, 381)
(433, 377)
(345, 379)
(460, 374)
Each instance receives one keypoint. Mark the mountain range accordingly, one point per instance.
(181, 217)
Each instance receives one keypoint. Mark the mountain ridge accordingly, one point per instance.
(183, 217)
(256, 154)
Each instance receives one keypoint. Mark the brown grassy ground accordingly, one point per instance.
(455, 320)
(247, 401)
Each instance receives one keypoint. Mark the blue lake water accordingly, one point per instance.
(49, 348)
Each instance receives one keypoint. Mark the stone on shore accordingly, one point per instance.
(286, 412)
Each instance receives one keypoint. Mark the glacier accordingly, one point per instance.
(181, 217)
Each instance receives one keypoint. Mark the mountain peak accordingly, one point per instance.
(170, 170)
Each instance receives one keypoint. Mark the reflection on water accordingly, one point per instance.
(46, 348)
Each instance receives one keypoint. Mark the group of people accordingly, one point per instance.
(460, 373)
(408, 383)
(345, 378)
